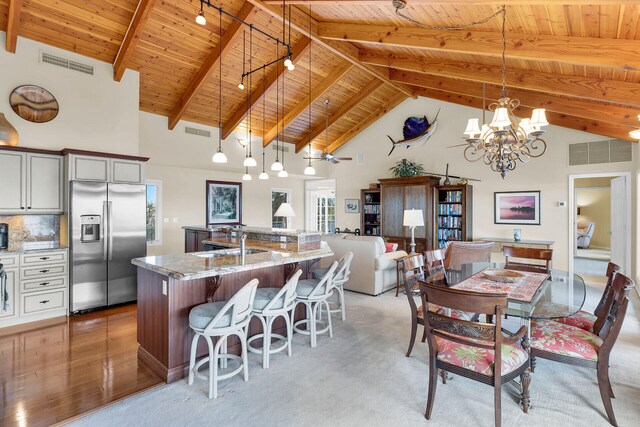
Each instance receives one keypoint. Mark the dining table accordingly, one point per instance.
(560, 294)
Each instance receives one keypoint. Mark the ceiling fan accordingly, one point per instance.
(326, 156)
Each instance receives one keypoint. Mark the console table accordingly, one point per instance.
(499, 242)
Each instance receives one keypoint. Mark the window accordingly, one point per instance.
(278, 197)
(154, 212)
(325, 211)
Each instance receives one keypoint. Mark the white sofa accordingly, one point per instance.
(372, 270)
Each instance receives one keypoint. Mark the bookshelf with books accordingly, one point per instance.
(371, 212)
(453, 213)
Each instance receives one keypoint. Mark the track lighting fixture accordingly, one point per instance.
(200, 19)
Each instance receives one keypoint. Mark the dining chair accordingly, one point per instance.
(585, 320)
(459, 253)
(536, 254)
(221, 319)
(483, 352)
(567, 344)
(412, 274)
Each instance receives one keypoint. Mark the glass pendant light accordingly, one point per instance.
(276, 166)
(263, 175)
(200, 18)
(219, 156)
(250, 161)
(283, 173)
(246, 176)
(309, 170)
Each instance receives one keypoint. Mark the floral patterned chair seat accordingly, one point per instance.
(456, 314)
(478, 359)
(582, 320)
(563, 339)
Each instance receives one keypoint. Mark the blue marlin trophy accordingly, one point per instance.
(415, 130)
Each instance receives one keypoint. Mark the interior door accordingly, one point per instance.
(619, 222)
(126, 226)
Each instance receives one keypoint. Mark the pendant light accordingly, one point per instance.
(249, 161)
(309, 170)
(283, 173)
(288, 62)
(276, 166)
(219, 156)
(263, 175)
(246, 176)
(200, 19)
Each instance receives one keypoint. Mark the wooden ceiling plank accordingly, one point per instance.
(300, 107)
(140, 17)
(600, 111)
(300, 22)
(575, 86)
(232, 34)
(362, 94)
(610, 130)
(371, 118)
(13, 24)
(445, 2)
(599, 52)
(298, 50)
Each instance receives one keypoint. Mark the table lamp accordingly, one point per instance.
(286, 211)
(413, 218)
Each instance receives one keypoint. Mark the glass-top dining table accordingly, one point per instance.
(562, 294)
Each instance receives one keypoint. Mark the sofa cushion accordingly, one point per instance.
(388, 260)
(478, 359)
(566, 340)
(390, 247)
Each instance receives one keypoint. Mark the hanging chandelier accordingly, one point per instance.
(507, 139)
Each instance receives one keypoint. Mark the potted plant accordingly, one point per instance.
(405, 168)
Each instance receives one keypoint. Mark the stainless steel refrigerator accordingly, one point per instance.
(107, 226)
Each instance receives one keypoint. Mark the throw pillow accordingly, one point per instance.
(390, 247)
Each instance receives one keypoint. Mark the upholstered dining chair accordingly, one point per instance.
(585, 320)
(536, 254)
(567, 344)
(480, 351)
(458, 253)
(221, 319)
(412, 273)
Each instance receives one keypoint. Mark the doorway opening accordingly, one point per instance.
(320, 205)
(600, 214)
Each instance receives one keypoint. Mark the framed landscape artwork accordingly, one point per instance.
(517, 207)
(224, 202)
(352, 205)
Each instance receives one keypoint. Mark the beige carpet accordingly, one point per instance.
(593, 253)
(361, 377)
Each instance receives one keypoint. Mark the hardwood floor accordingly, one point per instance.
(69, 366)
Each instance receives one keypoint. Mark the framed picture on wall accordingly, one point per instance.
(224, 202)
(516, 207)
(352, 205)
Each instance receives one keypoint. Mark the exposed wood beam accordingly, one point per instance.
(131, 38)
(300, 22)
(298, 50)
(575, 86)
(600, 128)
(299, 108)
(375, 115)
(600, 52)
(13, 23)
(599, 111)
(340, 112)
(230, 36)
(455, 2)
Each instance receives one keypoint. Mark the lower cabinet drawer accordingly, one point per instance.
(36, 272)
(43, 284)
(36, 303)
(44, 258)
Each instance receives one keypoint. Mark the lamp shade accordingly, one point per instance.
(538, 117)
(285, 210)
(413, 218)
(500, 118)
(473, 128)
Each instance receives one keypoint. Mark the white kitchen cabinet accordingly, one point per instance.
(105, 169)
(13, 176)
(12, 292)
(30, 183)
(45, 183)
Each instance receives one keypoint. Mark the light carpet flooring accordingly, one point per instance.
(594, 253)
(360, 377)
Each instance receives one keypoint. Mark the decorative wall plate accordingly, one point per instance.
(34, 103)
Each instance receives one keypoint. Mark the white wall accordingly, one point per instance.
(96, 113)
(183, 163)
(549, 174)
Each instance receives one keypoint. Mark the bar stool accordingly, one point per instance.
(270, 303)
(221, 319)
(340, 277)
(314, 295)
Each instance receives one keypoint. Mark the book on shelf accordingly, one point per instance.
(450, 209)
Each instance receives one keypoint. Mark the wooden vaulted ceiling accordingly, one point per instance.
(578, 60)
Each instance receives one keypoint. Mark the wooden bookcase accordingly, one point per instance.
(453, 214)
(371, 216)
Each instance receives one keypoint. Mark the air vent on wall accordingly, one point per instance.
(197, 132)
(608, 151)
(66, 63)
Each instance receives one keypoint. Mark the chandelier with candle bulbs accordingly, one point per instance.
(507, 139)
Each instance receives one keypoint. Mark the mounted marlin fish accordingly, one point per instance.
(415, 130)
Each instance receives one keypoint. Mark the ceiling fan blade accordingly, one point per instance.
(334, 161)
(343, 158)
(313, 158)
(458, 145)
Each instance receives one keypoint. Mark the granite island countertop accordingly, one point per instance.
(233, 242)
(30, 247)
(198, 265)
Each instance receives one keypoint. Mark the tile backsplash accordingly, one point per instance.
(32, 228)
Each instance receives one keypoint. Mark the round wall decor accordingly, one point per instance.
(34, 103)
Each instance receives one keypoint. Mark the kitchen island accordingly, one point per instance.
(169, 286)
